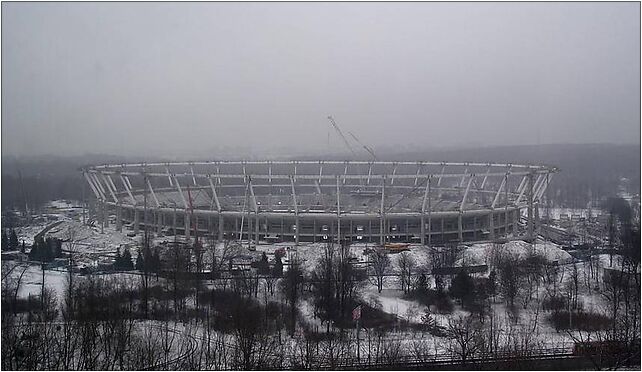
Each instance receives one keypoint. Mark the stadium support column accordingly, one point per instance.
(536, 219)
(218, 209)
(491, 217)
(101, 215)
(506, 213)
(429, 213)
(210, 225)
(187, 208)
(187, 225)
(105, 214)
(423, 212)
(129, 192)
(460, 228)
(530, 205)
(156, 211)
(255, 206)
(221, 223)
(102, 200)
(339, 210)
(174, 222)
(256, 229)
(535, 201)
(119, 217)
(491, 224)
(296, 212)
(408, 238)
(382, 222)
(136, 220)
(474, 227)
(108, 184)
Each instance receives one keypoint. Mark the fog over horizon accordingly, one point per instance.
(213, 79)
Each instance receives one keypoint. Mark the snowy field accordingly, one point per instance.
(481, 254)
(31, 282)
(93, 246)
(531, 322)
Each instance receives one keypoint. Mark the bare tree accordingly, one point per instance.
(550, 279)
(380, 266)
(532, 269)
(412, 312)
(73, 238)
(334, 283)
(270, 283)
(466, 336)
(573, 286)
(224, 253)
(510, 277)
(407, 264)
(292, 285)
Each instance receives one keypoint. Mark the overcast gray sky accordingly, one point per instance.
(200, 78)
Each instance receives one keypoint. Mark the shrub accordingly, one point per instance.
(554, 303)
(434, 298)
(580, 320)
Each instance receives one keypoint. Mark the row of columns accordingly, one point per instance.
(158, 219)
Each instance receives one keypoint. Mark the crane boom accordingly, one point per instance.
(336, 127)
(368, 149)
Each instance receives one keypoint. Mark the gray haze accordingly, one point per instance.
(203, 79)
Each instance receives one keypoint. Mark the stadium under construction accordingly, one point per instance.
(423, 202)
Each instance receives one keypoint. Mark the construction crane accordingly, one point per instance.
(345, 140)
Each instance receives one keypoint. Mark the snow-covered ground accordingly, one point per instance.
(31, 282)
(480, 254)
(90, 244)
(27, 233)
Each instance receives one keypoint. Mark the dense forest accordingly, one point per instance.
(35, 180)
